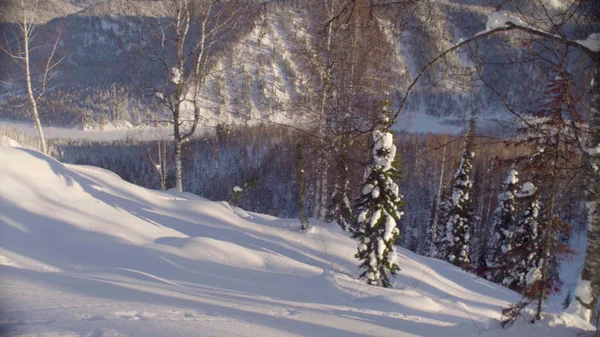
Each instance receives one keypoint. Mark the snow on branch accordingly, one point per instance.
(501, 19)
(592, 42)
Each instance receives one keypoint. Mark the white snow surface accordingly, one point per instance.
(527, 190)
(107, 133)
(593, 151)
(513, 177)
(584, 291)
(175, 75)
(6, 141)
(592, 42)
(83, 253)
(500, 19)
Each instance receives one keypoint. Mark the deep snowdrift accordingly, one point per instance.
(84, 253)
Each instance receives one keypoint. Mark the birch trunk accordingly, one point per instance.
(178, 165)
(438, 200)
(30, 94)
(321, 192)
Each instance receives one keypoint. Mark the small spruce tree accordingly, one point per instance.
(554, 160)
(524, 257)
(503, 230)
(458, 219)
(378, 211)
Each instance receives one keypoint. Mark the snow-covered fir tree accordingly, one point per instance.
(458, 218)
(503, 228)
(553, 162)
(525, 255)
(378, 212)
(524, 270)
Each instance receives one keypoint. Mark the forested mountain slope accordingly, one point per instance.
(266, 71)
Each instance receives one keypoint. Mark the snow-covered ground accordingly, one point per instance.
(84, 253)
(112, 133)
(417, 122)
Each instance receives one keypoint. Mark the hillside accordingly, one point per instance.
(83, 253)
(265, 72)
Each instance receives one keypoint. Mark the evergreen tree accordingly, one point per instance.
(378, 212)
(525, 256)
(458, 218)
(554, 160)
(503, 229)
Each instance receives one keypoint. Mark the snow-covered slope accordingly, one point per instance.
(6, 141)
(83, 253)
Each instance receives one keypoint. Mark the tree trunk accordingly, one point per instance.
(548, 234)
(178, 144)
(321, 191)
(178, 169)
(550, 213)
(32, 100)
(162, 163)
(438, 199)
(301, 187)
(591, 267)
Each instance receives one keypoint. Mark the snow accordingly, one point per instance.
(6, 141)
(584, 291)
(457, 196)
(375, 193)
(527, 190)
(375, 218)
(513, 177)
(237, 189)
(383, 140)
(380, 248)
(175, 75)
(592, 42)
(570, 276)
(83, 253)
(533, 276)
(384, 150)
(368, 188)
(500, 19)
(106, 133)
(362, 216)
(593, 151)
(390, 228)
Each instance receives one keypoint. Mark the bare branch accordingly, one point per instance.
(509, 26)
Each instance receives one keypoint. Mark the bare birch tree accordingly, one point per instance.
(187, 42)
(21, 50)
